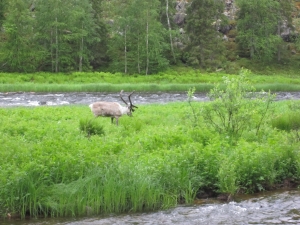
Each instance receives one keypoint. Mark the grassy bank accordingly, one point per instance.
(162, 156)
(180, 79)
(60, 161)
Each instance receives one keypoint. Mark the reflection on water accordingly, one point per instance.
(265, 208)
(85, 98)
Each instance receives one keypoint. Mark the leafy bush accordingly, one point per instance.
(91, 127)
(194, 116)
(236, 107)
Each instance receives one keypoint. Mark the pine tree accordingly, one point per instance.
(257, 24)
(98, 48)
(205, 46)
(2, 11)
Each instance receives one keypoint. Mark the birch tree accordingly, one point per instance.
(19, 50)
(138, 41)
(65, 28)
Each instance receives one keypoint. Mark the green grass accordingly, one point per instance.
(153, 160)
(180, 79)
(141, 87)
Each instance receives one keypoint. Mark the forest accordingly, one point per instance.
(147, 36)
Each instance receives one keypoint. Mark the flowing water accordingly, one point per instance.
(265, 208)
(36, 99)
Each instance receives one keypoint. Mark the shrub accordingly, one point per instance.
(91, 127)
(236, 107)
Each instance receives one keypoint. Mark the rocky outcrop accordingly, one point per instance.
(286, 32)
(181, 6)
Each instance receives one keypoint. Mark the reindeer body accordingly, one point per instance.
(114, 110)
(109, 109)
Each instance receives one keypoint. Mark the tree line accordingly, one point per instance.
(139, 36)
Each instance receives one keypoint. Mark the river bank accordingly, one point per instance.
(276, 207)
(181, 79)
(60, 161)
(150, 162)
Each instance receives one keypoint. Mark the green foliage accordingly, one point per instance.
(19, 52)
(288, 121)
(237, 107)
(181, 79)
(204, 48)
(148, 162)
(91, 127)
(260, 25)
(136, 37)
(2, 11)
(139, 41)
(227, 176)
(195, 113)
(66, 35)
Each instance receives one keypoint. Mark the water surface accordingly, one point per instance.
(85, 98)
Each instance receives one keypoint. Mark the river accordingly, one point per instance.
(36, 99)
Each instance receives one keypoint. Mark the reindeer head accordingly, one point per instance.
(130, 106)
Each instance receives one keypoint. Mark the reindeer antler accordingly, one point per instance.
(132, 106)
(122, 97)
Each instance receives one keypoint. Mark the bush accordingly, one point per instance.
(91, 127)
(236, 107)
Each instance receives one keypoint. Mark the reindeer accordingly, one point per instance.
(113, 109)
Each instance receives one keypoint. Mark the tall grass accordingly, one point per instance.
(156, 159)
(141, 87)
(102, 87)
(170, 80)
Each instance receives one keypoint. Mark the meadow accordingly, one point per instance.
(180, 79)
(61, 161)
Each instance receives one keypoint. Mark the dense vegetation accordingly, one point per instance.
(179, 79)
(147, 36)
(60, 161)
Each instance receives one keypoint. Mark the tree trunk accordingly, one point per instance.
(81, 52)
(169, 26)
(279, 46)
(56, 47)
(147, 42)
(51, 51)
(138, 55)
(125, 52)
